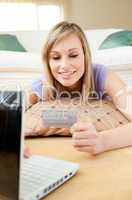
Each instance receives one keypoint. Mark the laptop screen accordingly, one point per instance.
(10, 133)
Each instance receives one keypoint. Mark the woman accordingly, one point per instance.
(68, 67)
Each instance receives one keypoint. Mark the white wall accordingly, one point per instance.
(100, 13)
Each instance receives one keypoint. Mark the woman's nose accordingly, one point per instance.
(64, 63)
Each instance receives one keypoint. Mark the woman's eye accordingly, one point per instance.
(56, 58)
(73, 55)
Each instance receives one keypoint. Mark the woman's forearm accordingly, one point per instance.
(118, 137)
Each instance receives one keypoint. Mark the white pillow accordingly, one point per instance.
(97, 36)
(21, 61)
(32, 41)
(113, 56)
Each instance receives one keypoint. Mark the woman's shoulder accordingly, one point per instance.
(98, 67)
(37, 86)
(100, 74)
(99, 70)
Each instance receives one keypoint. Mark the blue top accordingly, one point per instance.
(99, 71)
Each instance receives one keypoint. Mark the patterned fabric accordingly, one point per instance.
(102, 114)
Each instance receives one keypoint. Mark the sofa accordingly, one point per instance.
(24, 66)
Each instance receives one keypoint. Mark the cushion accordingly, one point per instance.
(113, 56)
(96, 36)
(118, 39)
(21, 61)
(10, 43)
(103, 115)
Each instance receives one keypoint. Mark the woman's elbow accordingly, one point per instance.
(33, 98)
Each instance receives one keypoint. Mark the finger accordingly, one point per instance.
(84, 135)
(27, 153)
(83, 143)
(85, 149)
(88, 149)
(80, 126)
(52, 130)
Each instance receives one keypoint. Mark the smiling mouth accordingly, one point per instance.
(66, 74)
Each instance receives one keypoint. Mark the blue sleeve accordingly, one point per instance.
(37, 87)
(100, 74)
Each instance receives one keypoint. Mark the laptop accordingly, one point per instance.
(21, 178)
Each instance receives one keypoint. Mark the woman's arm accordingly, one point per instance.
(86, 139)
(31, 98)
(121, 94)
(34, 94)
(122, 98)
(117, 137)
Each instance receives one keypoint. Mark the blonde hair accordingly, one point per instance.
(59, 31)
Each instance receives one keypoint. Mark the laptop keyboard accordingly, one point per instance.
(40, 175)
(7, 97)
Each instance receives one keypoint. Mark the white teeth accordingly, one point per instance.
(66, 73)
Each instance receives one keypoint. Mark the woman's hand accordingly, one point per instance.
(26, 152)
(86, 139)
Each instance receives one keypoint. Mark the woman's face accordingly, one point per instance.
(66, 60)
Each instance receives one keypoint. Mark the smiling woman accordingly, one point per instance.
(68, 68)
(66, 56)
(67, 63)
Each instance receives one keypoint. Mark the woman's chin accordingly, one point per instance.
(67, 84)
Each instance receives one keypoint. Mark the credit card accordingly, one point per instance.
(59, 118)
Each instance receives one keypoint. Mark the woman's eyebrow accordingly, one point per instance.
(73, 49)
(52, 52)
(56, 52)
